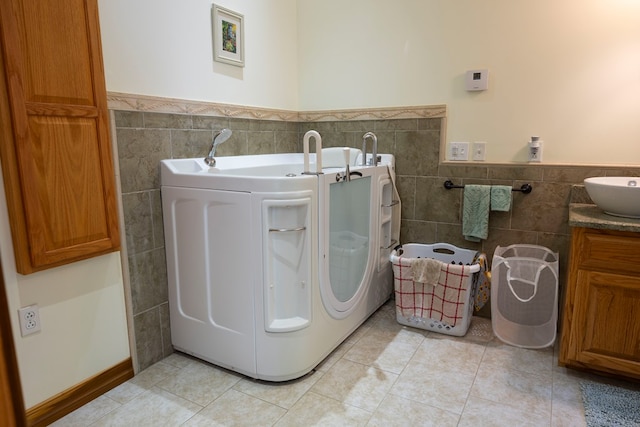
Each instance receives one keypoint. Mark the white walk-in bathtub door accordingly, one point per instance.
(347, 234)
(210, 272)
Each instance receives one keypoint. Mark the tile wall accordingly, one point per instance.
(430, 213)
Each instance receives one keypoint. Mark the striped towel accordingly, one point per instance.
(483, 282)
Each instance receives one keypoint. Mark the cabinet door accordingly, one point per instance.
(606, 324)
(56, 152)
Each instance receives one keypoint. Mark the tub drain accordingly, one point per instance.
(290, 174)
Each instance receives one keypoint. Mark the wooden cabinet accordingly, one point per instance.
(601, 318)
(55, 146)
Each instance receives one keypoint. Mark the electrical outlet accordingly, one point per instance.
(458, 151)
(29, 319)
(479, 150)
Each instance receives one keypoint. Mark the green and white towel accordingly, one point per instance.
(475, 212)
(501, 198)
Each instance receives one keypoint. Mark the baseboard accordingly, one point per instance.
(71, 399)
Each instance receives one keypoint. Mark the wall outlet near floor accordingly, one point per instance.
(458, 151)
(479, 150)
(29, 319)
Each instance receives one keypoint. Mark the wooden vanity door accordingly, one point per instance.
(56, 152)
(605, 286)
(608, 312)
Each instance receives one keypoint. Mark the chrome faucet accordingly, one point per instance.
(374, 159)
(218, 139)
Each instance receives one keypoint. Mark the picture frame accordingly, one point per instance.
(228, 36)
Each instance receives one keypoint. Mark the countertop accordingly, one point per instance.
(591, 216)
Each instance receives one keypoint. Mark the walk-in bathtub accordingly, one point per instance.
(269, 269)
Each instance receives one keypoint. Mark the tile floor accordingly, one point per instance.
(384, 374)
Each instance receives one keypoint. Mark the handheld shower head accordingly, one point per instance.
(221, 136)
(218, 139)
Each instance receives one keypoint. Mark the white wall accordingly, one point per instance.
(82, 314)
(164, 48)
(566, 70)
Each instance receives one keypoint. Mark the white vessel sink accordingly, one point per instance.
(615, 195)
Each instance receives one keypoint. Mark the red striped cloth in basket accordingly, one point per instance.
(444, 302)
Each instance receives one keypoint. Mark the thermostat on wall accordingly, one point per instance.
(477, 80)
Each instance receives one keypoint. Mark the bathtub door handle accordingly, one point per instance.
(342, 176)
(286, 230)
(393, 203)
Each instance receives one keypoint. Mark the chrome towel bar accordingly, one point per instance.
(285, 230)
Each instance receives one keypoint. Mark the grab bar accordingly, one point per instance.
(393, 242)
(286, 230)
(393, 203)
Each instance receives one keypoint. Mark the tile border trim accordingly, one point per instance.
(153, 104)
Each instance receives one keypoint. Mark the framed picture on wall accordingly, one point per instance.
(228, 36)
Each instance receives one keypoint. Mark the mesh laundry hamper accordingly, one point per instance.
(524, 295)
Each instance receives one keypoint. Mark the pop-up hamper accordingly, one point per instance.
(524, 295)
(446, 307)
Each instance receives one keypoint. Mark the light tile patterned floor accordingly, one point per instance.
(385, 374)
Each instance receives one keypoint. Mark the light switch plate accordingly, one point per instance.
(479, 151)
(458, 151)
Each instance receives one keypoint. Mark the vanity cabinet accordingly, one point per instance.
(601, 318)
(55, 147)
